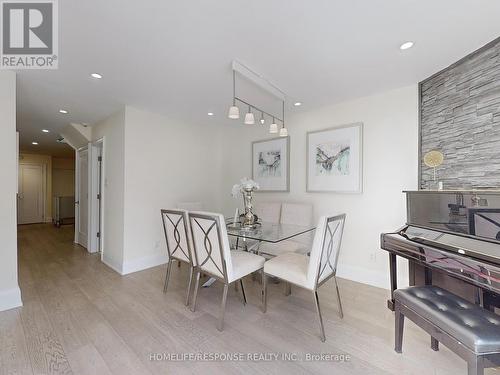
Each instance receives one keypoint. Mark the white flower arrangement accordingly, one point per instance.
(245, 184)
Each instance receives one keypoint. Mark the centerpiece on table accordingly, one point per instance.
(246, 188)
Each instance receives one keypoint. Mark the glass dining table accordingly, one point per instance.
(263, 232)
(267, 232)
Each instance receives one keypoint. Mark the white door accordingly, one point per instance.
(95, 196)
(99, 198)
(82, 198)
(30, 207)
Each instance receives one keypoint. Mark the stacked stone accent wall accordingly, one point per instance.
(460, 116)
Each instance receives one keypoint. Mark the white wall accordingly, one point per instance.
(113, 131)
(151, 162)
(76, 135)
(390, 155)
(166, 162)
(10, 295)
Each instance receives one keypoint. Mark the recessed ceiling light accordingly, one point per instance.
(34, 143)
(297, 104)
(406, 45)
(63, 111)
(45, 131)
(96, 75)
(210, 113)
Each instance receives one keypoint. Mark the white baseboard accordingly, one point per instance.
(114, 267)
(10, 299)
(143, 263)
(358, 274)
(364, 276)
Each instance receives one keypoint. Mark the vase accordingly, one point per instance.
(248, 219)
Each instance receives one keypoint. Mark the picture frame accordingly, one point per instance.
(271, 164)
(334, 159)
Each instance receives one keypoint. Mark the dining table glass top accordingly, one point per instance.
(268, 232)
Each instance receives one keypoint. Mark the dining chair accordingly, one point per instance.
(268, 212)
(291, 214)
(190, 206)
(296, 213)
(215, 258)
(179, 244)
(310, 272)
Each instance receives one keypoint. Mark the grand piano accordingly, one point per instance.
(451, 239)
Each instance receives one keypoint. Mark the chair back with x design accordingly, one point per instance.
(175, 225)
(211, 244)
(326, 248)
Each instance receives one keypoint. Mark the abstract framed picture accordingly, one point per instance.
(335, 159)
(270, 164)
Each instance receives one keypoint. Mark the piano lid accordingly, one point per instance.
(472, 215)
(483, 250)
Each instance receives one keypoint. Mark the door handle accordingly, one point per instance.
(77, 202)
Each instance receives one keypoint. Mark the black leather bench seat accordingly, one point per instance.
(473, 326)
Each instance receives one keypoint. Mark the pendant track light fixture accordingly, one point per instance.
(234, 111)
(273, 128)
(283, 130)
(249, 118)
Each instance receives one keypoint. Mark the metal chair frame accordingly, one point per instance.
(321, 269)
(224, 275)
(178, 247)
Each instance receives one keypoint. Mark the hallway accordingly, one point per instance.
(81, 317)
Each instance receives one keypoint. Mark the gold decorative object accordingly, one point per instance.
(433, 159)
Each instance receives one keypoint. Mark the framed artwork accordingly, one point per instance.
(335, 159)
(271, 164)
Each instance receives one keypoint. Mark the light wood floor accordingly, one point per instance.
(81, 317)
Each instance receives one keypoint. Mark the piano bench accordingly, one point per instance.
(470, 331)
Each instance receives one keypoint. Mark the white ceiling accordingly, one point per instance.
(174, 57)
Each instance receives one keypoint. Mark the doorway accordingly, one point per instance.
(82, 197)
(31, 197)
(96, 195)
(89, 197)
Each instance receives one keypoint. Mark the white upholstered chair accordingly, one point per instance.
(179, 246)
(268, 212)
(190, 206)
(293, 214)
(296, 213)
(215, 258)
(310, 272)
